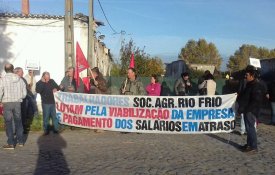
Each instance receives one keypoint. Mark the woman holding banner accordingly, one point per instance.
(154, 88)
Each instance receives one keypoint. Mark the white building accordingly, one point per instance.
(41, 38)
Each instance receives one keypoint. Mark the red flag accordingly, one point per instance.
(1, 110)
(86, 82)
(81, 63)
(132, 61)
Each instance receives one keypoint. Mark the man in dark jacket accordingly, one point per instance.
(271, 91)
(46, 87)
(249, 104)
(25, 107)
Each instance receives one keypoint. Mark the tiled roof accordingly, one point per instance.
(78, 16)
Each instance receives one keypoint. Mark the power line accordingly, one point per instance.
(115, 32)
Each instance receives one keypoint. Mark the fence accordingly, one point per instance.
(114, 84)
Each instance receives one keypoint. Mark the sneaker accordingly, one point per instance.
(20, 144)
(11, 147)
(242, 133)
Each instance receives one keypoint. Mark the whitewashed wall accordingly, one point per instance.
(41, 40)
(44, 43)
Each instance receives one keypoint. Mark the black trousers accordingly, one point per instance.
(249, 121)
(24, 112)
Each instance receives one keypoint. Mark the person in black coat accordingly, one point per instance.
(46, 87)
(249, 104)
(271, 92)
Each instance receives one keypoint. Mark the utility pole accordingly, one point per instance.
(69, 34)
(91, 50)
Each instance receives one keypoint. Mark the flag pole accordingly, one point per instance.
(91, 73)
(125, 84)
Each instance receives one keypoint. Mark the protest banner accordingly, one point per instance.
(32, 65)
(147, 114)
(255, 62)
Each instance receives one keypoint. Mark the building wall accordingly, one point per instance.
(102, 58)
(175, 69)
(202, 67)
(43, 40)
(268, 69)
(24, 39)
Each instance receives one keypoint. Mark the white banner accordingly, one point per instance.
(32, 65)
(147, 114)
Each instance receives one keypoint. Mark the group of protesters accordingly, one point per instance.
(18, 97)
(15, 97)
(206, 84)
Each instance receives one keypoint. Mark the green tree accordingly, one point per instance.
(154, 66)
(115, 71)
(201, 52)
(240, 59)
(126, 51)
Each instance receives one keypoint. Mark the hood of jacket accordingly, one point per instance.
(11, 77)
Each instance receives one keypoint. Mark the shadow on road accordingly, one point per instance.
(51, 159)
(226, 141)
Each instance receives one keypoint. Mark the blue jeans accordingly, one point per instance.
(243, 130)
(49, 111)
(273, 112)
(33, 104)
(12, 113)
(249, 120)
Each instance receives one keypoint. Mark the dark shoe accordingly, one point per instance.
(10, 147)
(98, 131)
(271, 123)
(124, 132)
(244, 147)
(46, 133)
(251, 150)
(55, 132)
